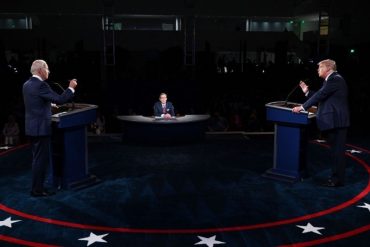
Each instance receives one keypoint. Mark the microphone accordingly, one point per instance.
(57, 84)
(291, 92)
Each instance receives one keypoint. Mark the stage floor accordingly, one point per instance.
(191, 194)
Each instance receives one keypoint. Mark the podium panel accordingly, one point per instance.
(289, 140)
(69, 145)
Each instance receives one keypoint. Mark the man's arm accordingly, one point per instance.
(156, 110)
(47, 93)
(172, 110)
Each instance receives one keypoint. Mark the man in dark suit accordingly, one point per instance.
(332, 116)
(163, 108)
(38, 97)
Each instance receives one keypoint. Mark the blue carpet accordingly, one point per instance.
(175, 195)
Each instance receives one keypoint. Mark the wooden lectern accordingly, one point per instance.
(289, 141)
(69, 145)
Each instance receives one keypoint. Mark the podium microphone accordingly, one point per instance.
(57, 84)
(291, 92)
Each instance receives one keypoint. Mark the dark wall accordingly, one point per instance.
(209, 7)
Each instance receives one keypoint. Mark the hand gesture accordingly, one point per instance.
(303, 86)
(73, 83)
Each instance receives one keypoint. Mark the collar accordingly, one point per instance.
(38, 77)
(329, 75)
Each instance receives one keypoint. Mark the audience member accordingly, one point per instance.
(11, 131)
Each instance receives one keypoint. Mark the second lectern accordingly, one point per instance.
(289, 140)
(69, 144)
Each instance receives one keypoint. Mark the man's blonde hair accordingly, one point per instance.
(329, 63)
(36, 65)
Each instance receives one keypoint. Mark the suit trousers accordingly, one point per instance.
(40, 161)
(337, 141)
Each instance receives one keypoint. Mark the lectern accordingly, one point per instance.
(69, 145)
(289, 140)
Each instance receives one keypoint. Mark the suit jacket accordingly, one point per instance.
(158, 111)
(333, 110)
(38, 96)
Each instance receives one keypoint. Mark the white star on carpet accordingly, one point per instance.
(366, 205)
(352, 151)
(8, 222)
(310, 228)
(209, 241)
(94, 238)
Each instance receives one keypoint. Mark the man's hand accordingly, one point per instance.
(304, 86)
(167, 115)
(54, 105)
(297, 109)
(73, 83)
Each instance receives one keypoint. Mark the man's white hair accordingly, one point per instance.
(36, 65)
(329, 63)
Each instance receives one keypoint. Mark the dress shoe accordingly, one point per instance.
(331, 183)
(42, 193)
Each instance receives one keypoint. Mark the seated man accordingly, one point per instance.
(163, 108)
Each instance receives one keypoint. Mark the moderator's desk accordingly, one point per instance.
(187, 128)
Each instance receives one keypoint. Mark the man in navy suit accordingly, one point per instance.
(332, 116)
(38, 97)
(163, 108)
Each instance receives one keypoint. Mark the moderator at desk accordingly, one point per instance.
(182, 129)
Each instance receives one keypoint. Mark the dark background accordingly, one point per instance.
(187, 64)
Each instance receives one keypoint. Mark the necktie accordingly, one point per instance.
(163, 109)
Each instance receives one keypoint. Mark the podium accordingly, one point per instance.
(69, 146)
(289, 140)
